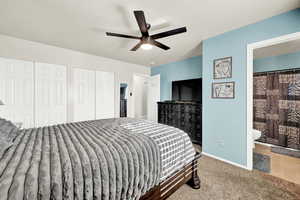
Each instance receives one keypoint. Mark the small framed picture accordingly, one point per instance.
(223, 90)
(223, 68)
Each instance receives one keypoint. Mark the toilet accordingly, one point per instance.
(256, 134)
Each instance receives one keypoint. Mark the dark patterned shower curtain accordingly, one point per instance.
(276, 109)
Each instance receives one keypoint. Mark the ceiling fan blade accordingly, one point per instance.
(140, 18)
(169, 33)
(136, 47)
(160, 45)
(122, 35)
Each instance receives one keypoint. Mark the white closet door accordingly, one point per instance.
(17, 91)
(50, 94)
(105, 95)
(84, 94)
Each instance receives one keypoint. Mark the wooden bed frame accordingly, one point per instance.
(188, 174)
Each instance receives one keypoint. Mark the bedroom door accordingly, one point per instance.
(105, 95)
(17, 91)
(140, 93)
(153, 97)
(50, 94)
(84, 95)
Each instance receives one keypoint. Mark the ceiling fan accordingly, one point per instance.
(146, 40)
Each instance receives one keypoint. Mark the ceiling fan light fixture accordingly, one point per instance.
(146, 41)
(146, 46)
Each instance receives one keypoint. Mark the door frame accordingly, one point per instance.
(250, 48)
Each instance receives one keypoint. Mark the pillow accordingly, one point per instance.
(8, 131)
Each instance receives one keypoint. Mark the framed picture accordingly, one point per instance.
(223, 68)
(223, 90)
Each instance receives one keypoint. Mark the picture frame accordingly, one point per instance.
(223, 90)
(223, 68)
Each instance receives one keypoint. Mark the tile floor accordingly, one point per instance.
(282, 166)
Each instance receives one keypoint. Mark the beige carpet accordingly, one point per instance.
(223, 181)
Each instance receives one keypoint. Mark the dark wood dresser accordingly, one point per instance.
(186, 116)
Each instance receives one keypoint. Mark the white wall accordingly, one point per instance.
(33, 51)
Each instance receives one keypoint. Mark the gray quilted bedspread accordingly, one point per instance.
(96, 160)
(76, 161)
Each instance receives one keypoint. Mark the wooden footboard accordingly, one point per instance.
(189, 175)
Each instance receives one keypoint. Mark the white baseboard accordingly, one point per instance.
(226, 161)
(273, 145)
(264, 144)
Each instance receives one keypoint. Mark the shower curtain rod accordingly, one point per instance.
(282, 70)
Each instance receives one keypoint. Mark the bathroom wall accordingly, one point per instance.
(286, 61)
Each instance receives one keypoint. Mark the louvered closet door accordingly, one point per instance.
(17, 91)
(105, 95)
(50, 94)
(84, 94)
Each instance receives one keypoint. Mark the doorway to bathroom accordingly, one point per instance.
(274, 106)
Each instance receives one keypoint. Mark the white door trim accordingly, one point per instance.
(250, 49)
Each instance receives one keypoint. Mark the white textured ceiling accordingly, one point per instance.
(81, 25)
(278, 49)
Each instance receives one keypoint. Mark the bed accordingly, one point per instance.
(107, 159)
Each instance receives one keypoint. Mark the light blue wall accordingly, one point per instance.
(224, 121)
(286, 61)
(187, 69)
